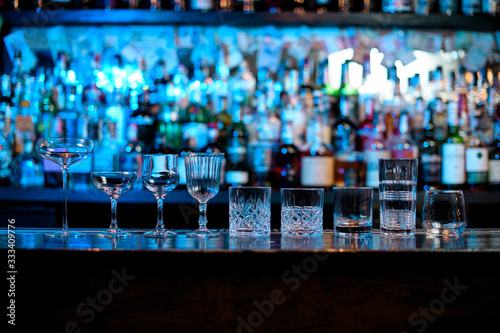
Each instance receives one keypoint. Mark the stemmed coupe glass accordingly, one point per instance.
(64, 152)
(203, 173)
(114, 184)
(160, 175)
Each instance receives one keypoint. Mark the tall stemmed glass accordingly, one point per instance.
(114, 184)
(64, 152)
(160, 175)
(203, 173)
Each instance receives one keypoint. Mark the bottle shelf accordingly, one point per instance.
(376, 21)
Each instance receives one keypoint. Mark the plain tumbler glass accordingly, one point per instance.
(352, 211)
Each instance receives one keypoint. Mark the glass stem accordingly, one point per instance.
(202, 221)
(113, 225)
(159, 204)
(64, 171)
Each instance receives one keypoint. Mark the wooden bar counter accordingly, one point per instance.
(273, 284)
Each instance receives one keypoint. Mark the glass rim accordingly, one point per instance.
(249, 187)
(144, 155)
(303, 189)
(114, 172)
(203, 154)
(445, 191)
(352, 188)
(64, 140)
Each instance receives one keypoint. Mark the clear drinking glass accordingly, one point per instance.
(64, 152)
(352, 211)
(160, 175)
(114, 184)
(302, 211)
(203, 173)
(398, 196)
(249, 211)
(443, 213)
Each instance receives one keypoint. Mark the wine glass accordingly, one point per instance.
(203, 172)
(114, 184)
(64, 152)
(160, 175)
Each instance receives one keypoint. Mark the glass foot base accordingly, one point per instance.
(397, 232)
(159, 233)
(114, 233)
(202, 233)
(62, 234)
(357, 231)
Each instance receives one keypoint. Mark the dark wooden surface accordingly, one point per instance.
(473, 240)
(409, 286)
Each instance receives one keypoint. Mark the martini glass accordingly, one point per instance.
(64, 152)
(203, 181)
(114, 184)
(160, 175)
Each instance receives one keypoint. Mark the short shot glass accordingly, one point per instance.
(249, 211)
(302, 212)
(353, 211)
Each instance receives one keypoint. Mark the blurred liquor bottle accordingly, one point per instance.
(401, 143)
(6, 136)
(286, 157)
(237, 167)
(429, 158)
(449, 7)
(462, 90)
(476, 157)
(393, 104)
(348, 162)
(202, 5)
(130, 156)
(471, 7)
(397, 6)
(47, 108)
(490, 7)
(317, 163)
(494, 156)
(425, 7)
(453, 152)
(25, 115)
(261, 148)
(374, 148)
(27, 169)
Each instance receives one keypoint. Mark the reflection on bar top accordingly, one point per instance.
(487, 240)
